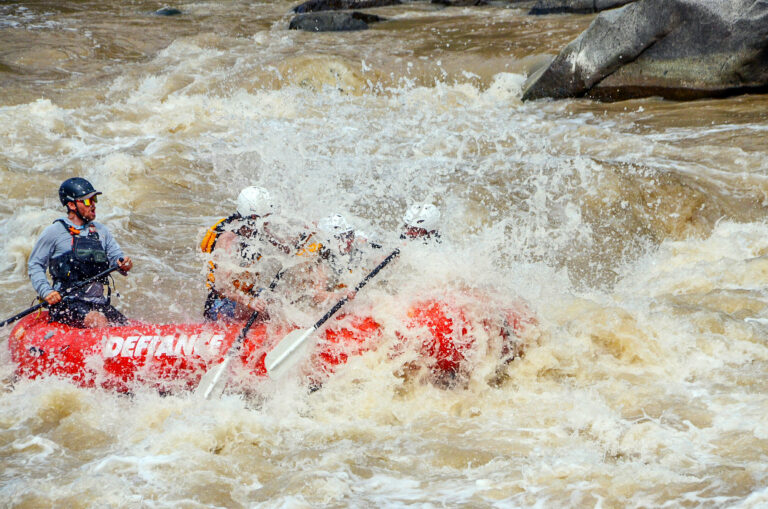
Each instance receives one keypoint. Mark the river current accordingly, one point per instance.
(636, 232)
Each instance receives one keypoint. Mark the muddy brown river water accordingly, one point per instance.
(636, 231)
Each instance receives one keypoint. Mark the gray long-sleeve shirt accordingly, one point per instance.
(56, 240)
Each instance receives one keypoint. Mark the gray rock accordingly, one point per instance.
(333, 21)
(462, 3)
(477, 3)
(167, 11)
(679, 49)
(575, 6)
(340, 5)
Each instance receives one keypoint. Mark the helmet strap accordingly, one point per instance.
(76, 212)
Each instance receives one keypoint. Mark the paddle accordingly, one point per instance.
(63, 295)
(278, 361)
(213, 380)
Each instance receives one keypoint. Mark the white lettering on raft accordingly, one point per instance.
(162, 346)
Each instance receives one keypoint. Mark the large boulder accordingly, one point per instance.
(575, 6)
(339, 5)
(167, 11)
(478, 3)
(678, 49)
(462, 3)
(333, 21)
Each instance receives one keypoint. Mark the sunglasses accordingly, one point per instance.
(89, 201)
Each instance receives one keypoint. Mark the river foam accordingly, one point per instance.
(633, 231)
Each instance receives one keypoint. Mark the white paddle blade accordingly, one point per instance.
(214, 381)
(284, 356)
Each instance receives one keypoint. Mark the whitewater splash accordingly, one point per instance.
(633, 230)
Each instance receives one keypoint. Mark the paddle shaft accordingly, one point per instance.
(361, 284)
(215, 375)
(64, 293)
(238, 343)
(277, 360)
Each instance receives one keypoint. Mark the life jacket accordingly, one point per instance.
(342, 264)
(303, 247)
(306, 248)
(86, 258)
(209, 242)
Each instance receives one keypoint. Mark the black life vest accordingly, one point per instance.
(86, 258)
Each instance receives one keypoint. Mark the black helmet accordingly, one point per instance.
(76, 188)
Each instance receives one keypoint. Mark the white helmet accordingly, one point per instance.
(334, 225)
(422, 215)
(255, 201)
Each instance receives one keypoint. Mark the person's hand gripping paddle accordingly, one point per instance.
(64, 293)
(214, 382)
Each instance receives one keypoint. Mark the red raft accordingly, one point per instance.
(174, 356)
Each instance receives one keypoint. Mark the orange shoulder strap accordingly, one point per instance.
(210, 237)
(306, 248)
